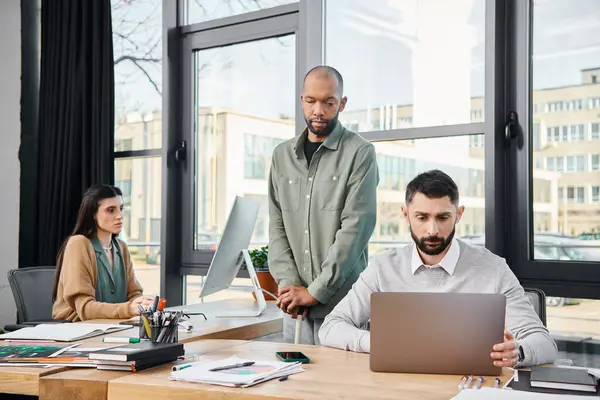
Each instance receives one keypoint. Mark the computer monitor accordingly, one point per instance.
(236, 237)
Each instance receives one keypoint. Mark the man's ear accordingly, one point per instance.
(405, 212)
(343, 103)
(459, 214)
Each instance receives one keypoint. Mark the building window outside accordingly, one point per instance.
(595, 131)
(576, 194)
(595, 197)
(595, 162)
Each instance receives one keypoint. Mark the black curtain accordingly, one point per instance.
(76, 115)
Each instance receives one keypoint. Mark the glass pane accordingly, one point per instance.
(422, 61)
(193, 285)
(140, 181)
(206, 10)
(460, 157)
(244, 107)
(137, 42)
(566, 106)
(574, 317)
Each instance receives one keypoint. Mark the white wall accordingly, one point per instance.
(10, 138)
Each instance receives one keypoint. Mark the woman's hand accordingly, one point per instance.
(144, 301)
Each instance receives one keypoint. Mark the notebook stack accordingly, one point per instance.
(43, 355)
(234, 372)
(136, 357)
(563, 379)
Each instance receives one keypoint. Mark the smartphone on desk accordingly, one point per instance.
(292, 356)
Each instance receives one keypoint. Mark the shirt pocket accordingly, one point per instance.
(289, 193)
(330, 192)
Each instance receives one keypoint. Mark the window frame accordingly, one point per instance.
(253, 26)
(580, 279)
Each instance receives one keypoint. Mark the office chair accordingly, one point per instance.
(537, 298)
(32, 290)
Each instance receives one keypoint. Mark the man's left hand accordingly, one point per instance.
(291, 297)
(506, 354)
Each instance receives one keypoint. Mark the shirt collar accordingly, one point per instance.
(332, 142)
(448, 263)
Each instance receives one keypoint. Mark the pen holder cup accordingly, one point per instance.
(158, 333)
(164, 334)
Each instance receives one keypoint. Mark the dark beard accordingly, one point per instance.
(327, 129)
(433, 251)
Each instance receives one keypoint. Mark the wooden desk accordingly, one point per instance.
(239, 328)
(331, 374)
(92, 384)
(22, 380)
(90, 381)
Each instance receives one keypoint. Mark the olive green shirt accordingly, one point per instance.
(322, 215)
(111, 286)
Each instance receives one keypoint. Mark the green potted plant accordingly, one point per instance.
(260, 261)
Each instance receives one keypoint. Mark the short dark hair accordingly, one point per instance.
(434, 184)
(332, 72)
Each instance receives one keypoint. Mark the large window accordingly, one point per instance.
(140, 181)
(137, 42)
(563, 85)
(422, 62)
(225, 117)
(400, 161)
(559, 255)
(241, 103)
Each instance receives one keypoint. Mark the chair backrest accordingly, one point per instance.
(537, 298)
(32, 290)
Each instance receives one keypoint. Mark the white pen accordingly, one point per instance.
(183, 366)
(123, 340)
(468, 383)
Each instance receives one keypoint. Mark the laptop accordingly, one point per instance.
(436, 333)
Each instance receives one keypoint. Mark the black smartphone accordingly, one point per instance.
(292, 356)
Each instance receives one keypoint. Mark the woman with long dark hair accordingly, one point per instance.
(94, 274)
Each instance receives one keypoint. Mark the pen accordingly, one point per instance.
(462, 383)
(479, 382)
(183, 366)
(239, 365)
(161, 304)
(154, 304)
(123, 340)
(496, 383)
(468, 383)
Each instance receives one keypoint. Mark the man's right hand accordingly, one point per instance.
(144, 301)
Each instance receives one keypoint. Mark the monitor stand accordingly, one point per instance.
(260, 297)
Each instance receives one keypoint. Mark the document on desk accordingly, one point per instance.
(66, 332)
(509, 394)
(238, 376)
